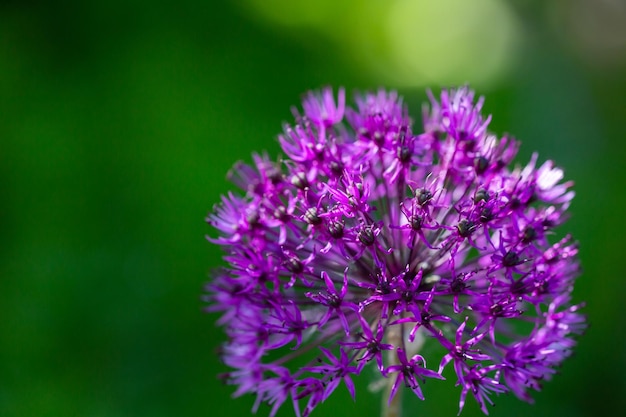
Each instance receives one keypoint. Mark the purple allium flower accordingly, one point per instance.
(370, 239)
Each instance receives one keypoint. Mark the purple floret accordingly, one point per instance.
(371, 238)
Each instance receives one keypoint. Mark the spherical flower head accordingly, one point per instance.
(370, 239)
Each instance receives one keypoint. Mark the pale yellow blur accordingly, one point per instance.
(408, 43)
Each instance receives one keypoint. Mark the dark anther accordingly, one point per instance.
(404, 154)
(257, 187)
(409, 276)
(469, 144)
(486, 215)
(529, 234)
(407, 296)
(253, 218)
(423, 196)
(515, 203)
(481, 164)
(364, 132)
(465, 228)
(334, 300)
(335, 229)
(274, 175)
(262, 333)
(319, 153)
(300, 181)
(294, 265)
(383, 287)
(379, 138)
(541, 288)
(336, 168)
(457, 285)
(373, 347)
(311, 216)
(519, 287)
(495, 309)
(402, 133)
(425, 317)
(551, 255)
(510, 259)
(481, 195)
(366, 236)
(281, 214)
(416, 222)
(236, 289)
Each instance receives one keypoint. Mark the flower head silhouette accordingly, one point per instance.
(369, 239)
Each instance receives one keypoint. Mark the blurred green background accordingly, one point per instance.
(119, 120)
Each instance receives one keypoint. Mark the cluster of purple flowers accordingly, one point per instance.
(369, 240)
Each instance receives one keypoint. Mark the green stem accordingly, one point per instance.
(393, 408)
